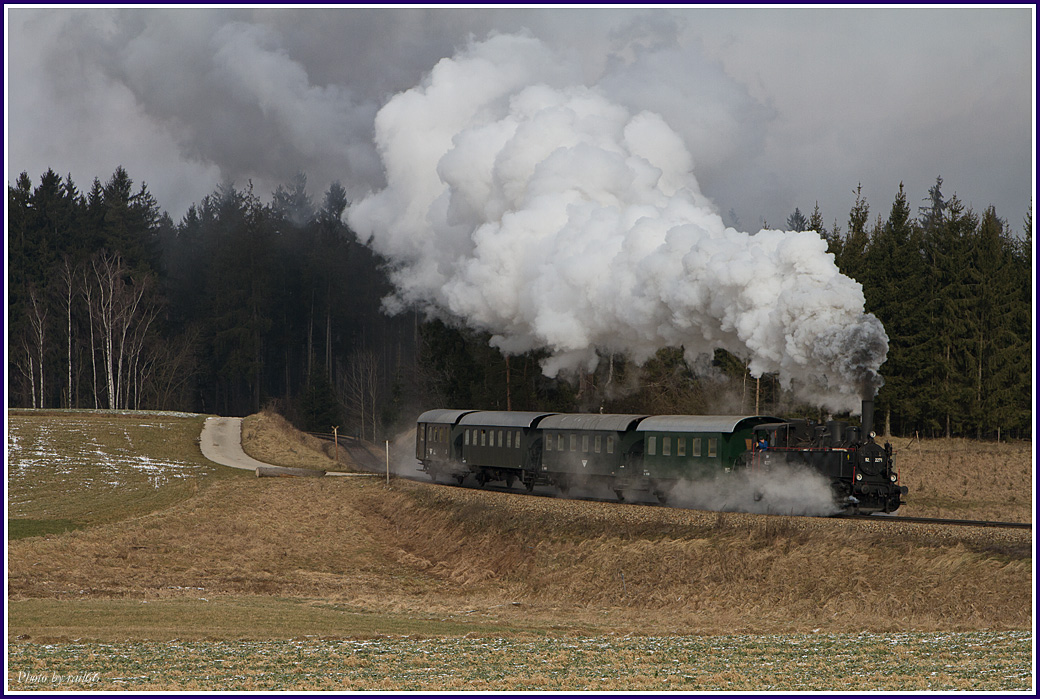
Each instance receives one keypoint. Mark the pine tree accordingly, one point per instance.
(815, 222)
(947, 247)
(851, 260)
(797, 221)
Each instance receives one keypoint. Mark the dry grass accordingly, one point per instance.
(269, 437)
(246, 558)
(424, 548)
(964, 479)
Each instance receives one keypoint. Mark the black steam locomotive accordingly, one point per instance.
(654, 454)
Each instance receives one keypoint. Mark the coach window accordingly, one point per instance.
(585, 443)
(467, 438)
(559, 442)
(696, 446)
(713, 447)
(548, 442)
(483, 438)
(501, 442)
(610, 444)
(651, 445)
(574, 442)
(599, 443)
(666, 446)
(516, 442)
(680, 446)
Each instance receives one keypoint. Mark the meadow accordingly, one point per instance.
(179, 574)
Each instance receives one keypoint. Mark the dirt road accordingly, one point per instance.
(221, 442)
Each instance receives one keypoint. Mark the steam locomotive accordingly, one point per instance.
(655, 454)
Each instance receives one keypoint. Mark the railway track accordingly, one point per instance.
(933, 520)
(873, 518)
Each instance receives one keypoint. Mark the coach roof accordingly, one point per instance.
(590, 421)
(702, 423)
(442, 416)
(501, 418)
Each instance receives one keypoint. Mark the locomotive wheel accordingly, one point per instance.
(620, 495)
(662, 497)
(529, 485)
(509, 481)
(460, 478)
(482, 479)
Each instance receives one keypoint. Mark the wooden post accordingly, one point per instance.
(509, 395)
(335, 438)
(388, 463)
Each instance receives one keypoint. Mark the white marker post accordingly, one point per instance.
(388, 463)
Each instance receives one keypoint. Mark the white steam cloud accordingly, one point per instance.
(546, 213)
(783, 490)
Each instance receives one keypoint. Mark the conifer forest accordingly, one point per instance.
(254, 301)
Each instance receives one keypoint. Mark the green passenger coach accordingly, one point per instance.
(589, 448)
(693, 447)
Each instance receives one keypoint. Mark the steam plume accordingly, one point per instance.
(546, 213)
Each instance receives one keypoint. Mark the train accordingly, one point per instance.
(655, 454)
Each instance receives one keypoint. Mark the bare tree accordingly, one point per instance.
(67, 279)
(173, 366)
(35, 344)
(358, 390)
(89, 294)
(121, 316)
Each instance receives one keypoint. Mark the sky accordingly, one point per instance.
(779, 108)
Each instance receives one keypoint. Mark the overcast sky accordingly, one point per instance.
(779, 108)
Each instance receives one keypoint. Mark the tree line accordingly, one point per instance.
(241, 305)
(245, 304)
(953, 289)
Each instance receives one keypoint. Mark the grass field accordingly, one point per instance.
(183, 575)
(993, 662)
(67, 470)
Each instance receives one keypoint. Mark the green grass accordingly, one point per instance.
(73, 469)
(24, 527)
(977, 661)
(232, 618)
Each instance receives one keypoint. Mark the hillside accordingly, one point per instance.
(422, 556)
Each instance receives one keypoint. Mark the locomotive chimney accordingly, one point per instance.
(868, 414)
